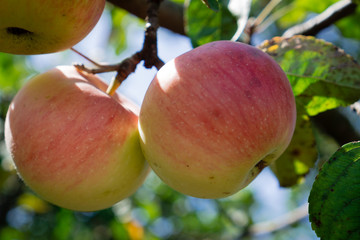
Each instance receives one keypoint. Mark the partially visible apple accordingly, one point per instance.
(73, 144)
(37, 27)
(214, 117)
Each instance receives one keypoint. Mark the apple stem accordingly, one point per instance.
(84, 56)
(148, 53)
(125, 68)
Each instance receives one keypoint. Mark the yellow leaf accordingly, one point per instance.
(32, 203)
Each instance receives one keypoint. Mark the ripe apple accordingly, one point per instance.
(37, 27)
(73, 144)
(214, 117)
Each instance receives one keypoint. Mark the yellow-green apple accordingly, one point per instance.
(214, 117)
(73, 144)
(45, 26)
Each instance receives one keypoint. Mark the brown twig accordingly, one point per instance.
(332, 14)
(171, 15)
(278, 223)
(274, 17)
(253, 24)
(148, 53)
(265, 12)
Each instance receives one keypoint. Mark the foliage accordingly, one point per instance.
(204, 25)
(12, 73)
(323, 77)
(335, 196)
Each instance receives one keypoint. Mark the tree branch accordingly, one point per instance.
(171, 15)
(277, 223)
(332, 14)
(148, 53)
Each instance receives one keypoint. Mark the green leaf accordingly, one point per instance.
(349, 26)
(299, 157)
(8, 233)
(64, 223)
(121, 22)
(13, 72)
(212, 4)
(300, 10)
(204, 25)
(334, 201)
(322, 76)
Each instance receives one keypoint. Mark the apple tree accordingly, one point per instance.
(263, 100)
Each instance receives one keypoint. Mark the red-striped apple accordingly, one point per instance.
(45, 26)
(214, 117)
(73, 144)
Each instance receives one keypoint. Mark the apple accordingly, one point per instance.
(72, 144)
(46, 26)
(214, 117)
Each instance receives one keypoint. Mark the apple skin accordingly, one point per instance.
(46, 26)
(214, 117)
(73, 144)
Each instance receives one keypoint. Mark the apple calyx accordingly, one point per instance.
(18, 31)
